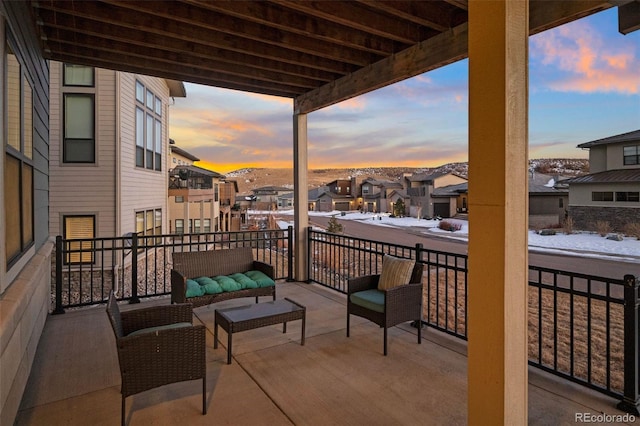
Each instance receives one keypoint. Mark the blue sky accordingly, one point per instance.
(584, 84)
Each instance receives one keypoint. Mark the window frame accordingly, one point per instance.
(89, 245)
(148, 128)
(21, 153)
(65, 139)
(67, 84)
(631, 159)
(602, 196)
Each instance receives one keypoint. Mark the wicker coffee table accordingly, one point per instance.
(233, 320)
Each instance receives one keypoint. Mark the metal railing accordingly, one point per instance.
(583, 328)
(87, 269)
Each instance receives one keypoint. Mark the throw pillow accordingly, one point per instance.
(193, 289)
(395, 272)
(261, 278)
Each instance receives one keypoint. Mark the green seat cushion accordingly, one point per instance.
(260, 278)
(210, 285)
(228, 284)
(371, 299)
(160, 328)
(194, 289)
(245, 281)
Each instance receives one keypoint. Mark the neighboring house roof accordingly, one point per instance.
(451, 190)
(199, 170)
(624, 137)
(184, 153)
(270, 189)
(608, 176)
(423, 177)
(401, 193)
(176, 88)
(543, 184)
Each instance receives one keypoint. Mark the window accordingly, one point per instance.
(207, 225)
(18, 159)
(216, 192)
(148, 129)
(196, 225)
(149, 222)
(79, 228)
(631, 155)
(179, 199)
(365, 189)
(602, 196)
(628, 196)
(560, 203)
(179, 226)
(79, 142)
(78, 75)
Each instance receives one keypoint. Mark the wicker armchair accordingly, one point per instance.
(401, 304)
(171, 350)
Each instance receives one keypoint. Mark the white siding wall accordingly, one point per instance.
(83, 188)
(140, 189)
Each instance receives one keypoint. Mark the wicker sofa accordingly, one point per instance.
(216, 263)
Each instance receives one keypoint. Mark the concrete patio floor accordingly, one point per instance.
(273, 380)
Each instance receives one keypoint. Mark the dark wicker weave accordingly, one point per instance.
(401, 304)
(213, 263)
(157, 358)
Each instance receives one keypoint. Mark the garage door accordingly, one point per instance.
(441, 209)
(343, 206)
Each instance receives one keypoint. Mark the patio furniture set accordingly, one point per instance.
(160, 345)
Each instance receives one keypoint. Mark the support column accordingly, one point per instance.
(300, 196)
(498, 212)
(186, 216)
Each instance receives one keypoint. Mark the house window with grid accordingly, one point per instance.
(79, 231)
(18, 159)
(631, 155)
(632, 197)
(148, 129)
(602, 196)
(179, 226)
(148, 223)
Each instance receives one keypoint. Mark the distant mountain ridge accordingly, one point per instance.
(251, 178)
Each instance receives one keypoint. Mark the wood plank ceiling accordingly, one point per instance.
(321, 51)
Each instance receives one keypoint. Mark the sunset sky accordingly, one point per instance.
(584, 84)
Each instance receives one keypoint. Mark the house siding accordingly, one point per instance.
(87, 189)
(140, 189)
(25, 286)
(597, 159)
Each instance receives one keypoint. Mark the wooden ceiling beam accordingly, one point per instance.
(433, 53)
(101, 45)
(430, 14)
(126, 62)
(355, 15)
(211, 21)
(188, 39)
(273, 15)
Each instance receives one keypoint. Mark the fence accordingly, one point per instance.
(86, 270)
(583, 328)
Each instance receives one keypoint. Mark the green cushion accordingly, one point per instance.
(228, 284)
(160, 327)
(194, 289)
(371, 299)
(261, 278)
(210, 285)
(245, 281)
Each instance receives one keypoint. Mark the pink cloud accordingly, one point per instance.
(588, 63)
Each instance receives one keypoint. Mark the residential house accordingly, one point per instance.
(548, 200)
(109, 150)
(194, 196)
(375, 195)
(421, 186)
(448, 201)
(611, 191)
(266, 197)
(231, 216)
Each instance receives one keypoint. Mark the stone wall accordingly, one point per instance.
(584, 217)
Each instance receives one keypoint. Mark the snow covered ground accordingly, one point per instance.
(581, 244)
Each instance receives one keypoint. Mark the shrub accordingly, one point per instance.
(567, 225)
(333, 226)
(449, 226)
(632, 230)
(602, 227)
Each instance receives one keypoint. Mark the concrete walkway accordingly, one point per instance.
(273, 380)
